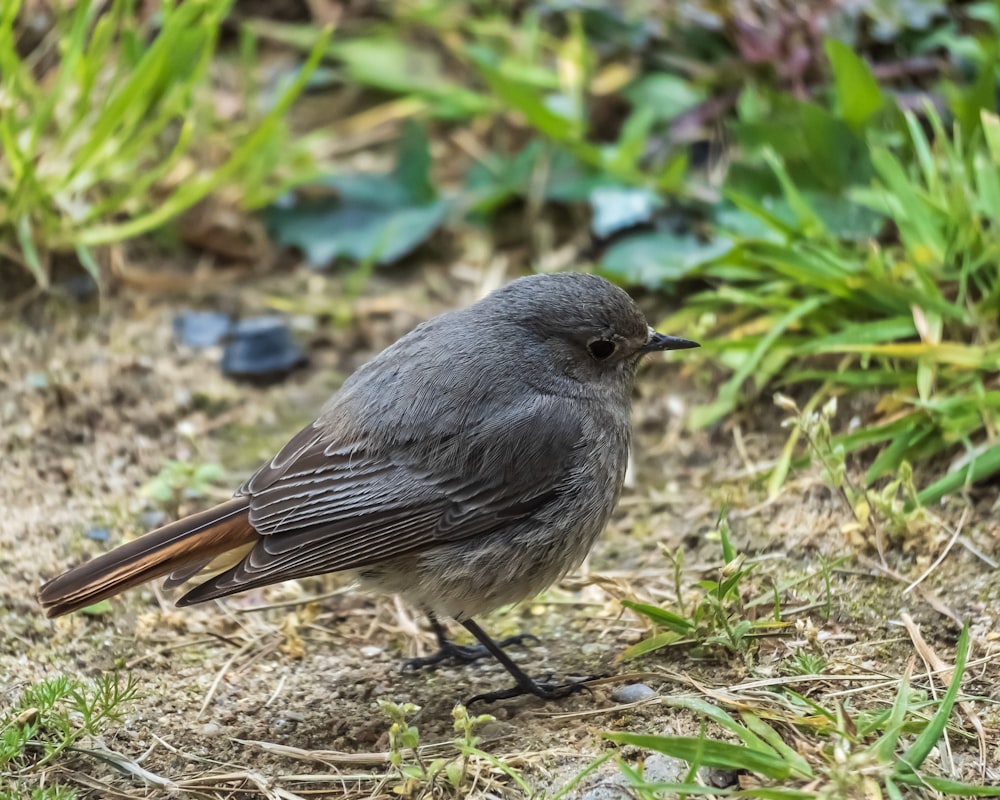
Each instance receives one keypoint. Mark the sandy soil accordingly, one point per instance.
(252, 704)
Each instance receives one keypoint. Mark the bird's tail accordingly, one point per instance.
(181, 547)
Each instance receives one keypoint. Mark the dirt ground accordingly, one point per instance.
(282, 702)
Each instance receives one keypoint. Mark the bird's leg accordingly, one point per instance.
(463, 653)
(525, 683)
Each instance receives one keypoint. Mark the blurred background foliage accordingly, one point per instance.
(815, 185)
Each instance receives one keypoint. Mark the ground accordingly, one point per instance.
(282, 702)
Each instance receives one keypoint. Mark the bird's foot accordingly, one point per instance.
(543, 689)
(463, 653)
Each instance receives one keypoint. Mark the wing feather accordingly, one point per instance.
(334, 505)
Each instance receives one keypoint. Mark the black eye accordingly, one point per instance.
(601, 348)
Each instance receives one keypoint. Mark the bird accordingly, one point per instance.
(467, 466)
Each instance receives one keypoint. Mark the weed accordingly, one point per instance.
(49, 720)
(715, 618)
(418, 776)
(180, 480)
(892, 510)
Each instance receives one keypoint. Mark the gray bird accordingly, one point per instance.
(467, 466)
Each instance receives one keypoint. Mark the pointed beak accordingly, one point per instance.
(660, 341)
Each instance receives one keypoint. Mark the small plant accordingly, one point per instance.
(871, 754)
(715, 618)
(893, 509)
(48, 721)
(809, 656)
(420, 777)
(178, 480)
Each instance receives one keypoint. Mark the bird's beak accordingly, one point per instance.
(660, 341)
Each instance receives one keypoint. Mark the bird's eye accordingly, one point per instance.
(601, 348)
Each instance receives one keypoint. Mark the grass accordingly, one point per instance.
(880, 752)
(908, 320)
(138, 89)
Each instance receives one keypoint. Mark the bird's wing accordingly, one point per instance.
(323, 505)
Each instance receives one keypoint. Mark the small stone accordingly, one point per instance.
(262, 350)
(611, 788)
(283, 724)
(210, 729)
(153, 519)
(660, 768)
(371, 651)
(719, 778)
(37, 380)
(201, 328)
(631, 693)
(98, 534)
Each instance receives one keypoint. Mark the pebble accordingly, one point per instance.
(661, 768)
(98, 534)
(631, 693)
(210, 729)
(153, 519)
(719, 778)
(261, 349)
(201, 328)
(371, 651)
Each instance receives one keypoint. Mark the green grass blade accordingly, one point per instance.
(729, 392)
(722, 719)
(26, 240)
(661, 616)
(195, 190)
(797, 763)
(983, 466)
(925, 742)
(707, 752)
(655, 642)
(893, 728)
(947, 786)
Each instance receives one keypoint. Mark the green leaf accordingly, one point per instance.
(948, 786)
(656, 260)
(97, 609)
(326, 229)
(407, 68)
(26, 239)
(798, 763)
(721, 718)
(857, 92)
(991, 132)
(984, 465)
(925, 742)
(709, 753)
(661, 616)
(616, 208)
(653, 643)
(413, 164)
(665, 95)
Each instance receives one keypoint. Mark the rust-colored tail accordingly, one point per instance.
(182, 547)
